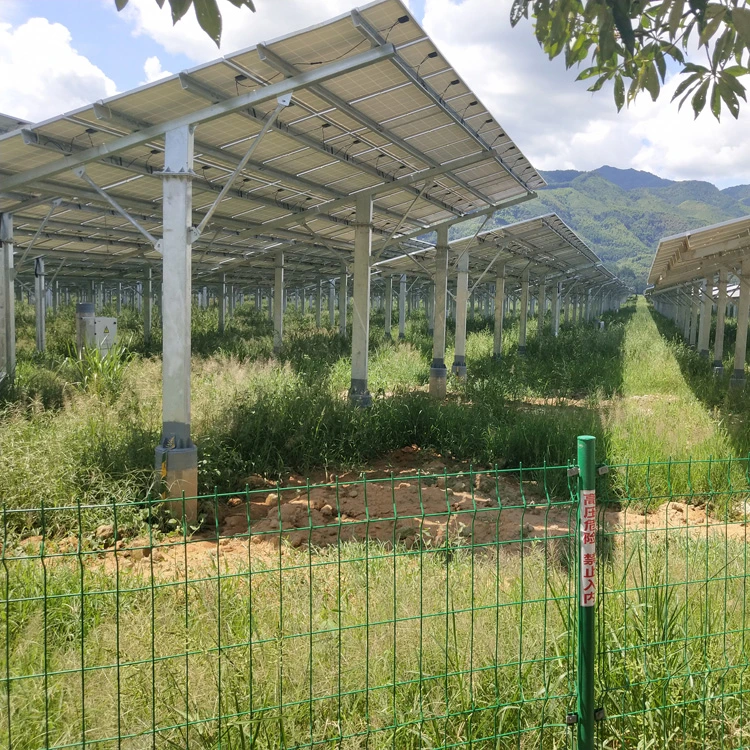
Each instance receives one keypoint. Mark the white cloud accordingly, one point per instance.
(560, 125)
(41, 73)
(153, 70)
(241, 28)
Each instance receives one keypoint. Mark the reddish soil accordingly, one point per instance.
(405, 510)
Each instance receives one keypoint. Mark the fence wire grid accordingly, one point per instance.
(410, 611)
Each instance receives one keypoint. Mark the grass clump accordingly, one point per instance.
(99, 372)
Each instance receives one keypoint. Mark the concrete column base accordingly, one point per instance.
(359, 395)
(738, 379)
(177, 474)
(522, 351)
(718, 368)
(497, 357)
(459, 367)
(438, 380)
(388, 336)
(401, 337)
(704, 353)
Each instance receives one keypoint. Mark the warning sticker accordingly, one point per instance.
(588, 548)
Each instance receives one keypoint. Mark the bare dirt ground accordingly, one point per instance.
(480, 509)
(409, 512)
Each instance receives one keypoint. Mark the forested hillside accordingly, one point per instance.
(622, 213)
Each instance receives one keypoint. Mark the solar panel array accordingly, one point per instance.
(699, 254)
(545, 247)
(405, 127)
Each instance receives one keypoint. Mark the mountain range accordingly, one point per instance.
(622, 213)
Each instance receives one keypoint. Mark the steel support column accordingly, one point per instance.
(7, 298)
(556, 295)
(223, 304)
(148, 302)
(429, 308)
(402, 308)
(343, 302)
(524, 313)
(704, 327)
(462, 299)
(542, 310)
(694, 310)
(176, 455)
(721, 310)
(497, 345)
(438, 371)
(685, 316)
(278, 302)
(40, 304)
(743, 308)
(388, 306)
(332, 304)
(358, 393)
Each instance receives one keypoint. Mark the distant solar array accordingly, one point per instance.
(544, 247)
(693, 271)
(698, 253)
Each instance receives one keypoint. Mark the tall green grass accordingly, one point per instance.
(373, 645)
(254, 414)
(633, 385)
(671, 407)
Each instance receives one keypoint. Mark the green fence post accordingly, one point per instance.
(587, 589)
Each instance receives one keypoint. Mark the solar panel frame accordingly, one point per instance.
(334, 162)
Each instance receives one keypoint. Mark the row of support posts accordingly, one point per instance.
(438, 371)
(690, 307)
(176, 454)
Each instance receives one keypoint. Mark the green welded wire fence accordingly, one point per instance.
(410, 610)
(672, 619)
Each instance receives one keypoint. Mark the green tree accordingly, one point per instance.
(633, 43)
(206, 11)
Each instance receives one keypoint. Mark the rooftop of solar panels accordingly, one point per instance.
(699, 253)
(545, 246)
(375, 107)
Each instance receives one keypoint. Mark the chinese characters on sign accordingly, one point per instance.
(588, 548)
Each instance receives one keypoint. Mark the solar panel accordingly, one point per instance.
(404, 126)
(699, 253)
(545, 247)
